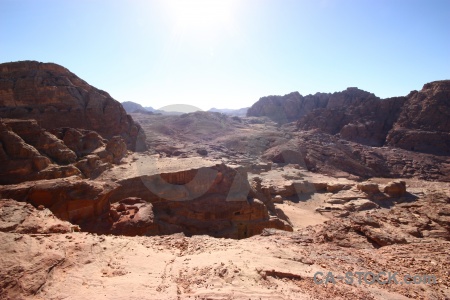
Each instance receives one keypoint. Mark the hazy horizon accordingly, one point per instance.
(228, 54)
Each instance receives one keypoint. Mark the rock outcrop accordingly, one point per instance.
(424, 122)
(327, 154)
(71, 199)
(28, 152)
(56, 98)
(287, 108)
(195, 196)
(21, 217)
(189, 196)
(417, 122)
(20, 161)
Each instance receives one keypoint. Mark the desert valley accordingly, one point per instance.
(102, 203)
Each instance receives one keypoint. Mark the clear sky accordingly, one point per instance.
(229, 53)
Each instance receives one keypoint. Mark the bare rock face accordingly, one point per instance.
(56, 98)
(82, 142)
(324, 153)
(117, 147)
(71, 199)
(26, 264)
(43, 141)
(356, 116)
(21, 161)
(131, 217)
(424, 123)
(195, 196)
(287, 108)
(21, 217)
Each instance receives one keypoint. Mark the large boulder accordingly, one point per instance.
(55, 97)
(396, 188)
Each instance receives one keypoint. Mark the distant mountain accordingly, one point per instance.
(130, 106)
(241, 112)
(177, 109)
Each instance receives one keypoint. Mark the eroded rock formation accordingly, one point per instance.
(56, 98)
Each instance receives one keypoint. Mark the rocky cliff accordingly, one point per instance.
(424, 122)
(56, 97)
(419, 121)
(293, 106)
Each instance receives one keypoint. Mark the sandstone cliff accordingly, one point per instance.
(419, 121)
(424, 122)
(56, 97)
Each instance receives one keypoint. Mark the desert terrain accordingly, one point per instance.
(101, 203)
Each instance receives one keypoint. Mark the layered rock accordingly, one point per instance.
(195, 196)
(328, 154)
(71, 199)
(366, 121)
(55, 97)
(417, 122)
(20, 161)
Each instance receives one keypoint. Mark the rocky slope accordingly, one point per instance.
(77, 209)
(424, 122)
(417, 122)
(43, 259)
(255, 141)
(57, 98)
(28, 152)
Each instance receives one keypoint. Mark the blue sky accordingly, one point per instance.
(228, 54)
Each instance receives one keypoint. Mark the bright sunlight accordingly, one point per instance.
(202, 18)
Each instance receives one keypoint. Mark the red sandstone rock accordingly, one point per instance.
(424, 123)
(70, 199)
(21, 217)
(395, 188)
(55, 97)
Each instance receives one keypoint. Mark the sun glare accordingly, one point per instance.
(202, 17)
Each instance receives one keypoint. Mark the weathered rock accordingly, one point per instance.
(277, 199)
(195, 196)
(287, 108)
(131, 216)
(23, 162)
(21, 217)
(381, 237)
(55, 97)
(334, 187)
(328, 154)
(70, 199)
(26, 264)
(43, 141)
(117, 147)
(395, 188)
(368, 187)
(360, 204)
(423, 124)
(80, 141)
(202, 152)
